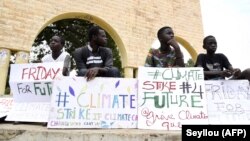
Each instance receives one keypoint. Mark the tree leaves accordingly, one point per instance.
(75, 33)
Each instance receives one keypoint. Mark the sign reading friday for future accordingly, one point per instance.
(35, 71)
(31, 85)
(228, 101)
(33, 82)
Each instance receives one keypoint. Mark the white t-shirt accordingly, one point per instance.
(64, 57)
(49, 58)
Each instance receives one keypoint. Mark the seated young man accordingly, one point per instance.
(94, 59)
(58, 55)
(168, 54)
(216, 65)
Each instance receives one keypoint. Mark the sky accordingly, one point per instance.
(229, 22)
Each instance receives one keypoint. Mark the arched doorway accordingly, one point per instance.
(97, 21)
(186, 45)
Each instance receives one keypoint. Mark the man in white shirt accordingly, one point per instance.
(58, 55)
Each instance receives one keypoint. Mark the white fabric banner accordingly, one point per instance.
(171, 97)
(228, 101)
(99, 103)
(5, 105)
(31, 85)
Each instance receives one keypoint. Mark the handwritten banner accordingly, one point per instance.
(99, 103)
(29, 112)
(35, 71)
(170, 97)
(32, 91)
(228, 101)
(33, 82)
(31, 85)
(5, 105)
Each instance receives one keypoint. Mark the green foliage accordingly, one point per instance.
(75, 33)
(190, 63)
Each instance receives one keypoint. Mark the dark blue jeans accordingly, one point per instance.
(113, 72)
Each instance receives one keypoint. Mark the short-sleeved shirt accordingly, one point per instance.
(217, 63)
(85, 58)
(64, 57)
(156, 58)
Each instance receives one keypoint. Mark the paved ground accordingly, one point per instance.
(38, 132)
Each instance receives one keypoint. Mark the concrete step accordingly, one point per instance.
(39, 132)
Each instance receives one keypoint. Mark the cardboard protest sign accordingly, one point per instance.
(29, 112)
(99, 103)
(228, 101)
(171, 97)
(5, 106)
(33, 82)
(31, 85)
(35, 71)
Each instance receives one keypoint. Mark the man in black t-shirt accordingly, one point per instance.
(216, 65)
(94, 59)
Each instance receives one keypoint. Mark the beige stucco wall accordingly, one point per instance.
(132, 23)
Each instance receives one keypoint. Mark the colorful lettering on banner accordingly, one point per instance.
(99, 103)
(36, 91)
(31, 85)
(36, 71)
(29, 112)
(170, 97)
(228, 101)
(39, 73)
(5, 105)
(33, 82)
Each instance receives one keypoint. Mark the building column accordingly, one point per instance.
(22, 57)
(4, 67)
(128, 72)
(136, 72)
